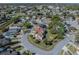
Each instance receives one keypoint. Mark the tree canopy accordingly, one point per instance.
(27, 24)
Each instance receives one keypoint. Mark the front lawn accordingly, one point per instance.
(40, 44)
(18, 48)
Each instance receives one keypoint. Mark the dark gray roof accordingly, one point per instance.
(4, 41)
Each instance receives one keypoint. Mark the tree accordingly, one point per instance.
(37, 41)
(55, 19)
(6, 29)
(57, 27)
(50, 25)
(47, 42)
(60, 36)
(27, 24)
(27, 52)
(1, 36)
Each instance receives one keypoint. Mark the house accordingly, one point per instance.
(22, 20)
(8, 51)
(38, 36)
(1, 49)
(38, 29)
(13, 31)
(4, 41)
(38, 32)
(72, 22)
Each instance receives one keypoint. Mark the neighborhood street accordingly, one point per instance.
(55, 51)
(28, 46)
(39, 29)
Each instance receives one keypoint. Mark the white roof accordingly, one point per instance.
(14, 27)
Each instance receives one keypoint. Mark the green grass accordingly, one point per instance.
(51, 36)
(25, 30)
(54, 37)
(77, 37)
(27, 25)
(62, 52)
(41, 44)
(56, 27)
(18, 49)
(27, 52)
(72, 49)
(72, 8)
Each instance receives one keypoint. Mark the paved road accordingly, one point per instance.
(39, 51)
(60, 45)
(54, 51)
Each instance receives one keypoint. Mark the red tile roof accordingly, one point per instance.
(38, 29)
